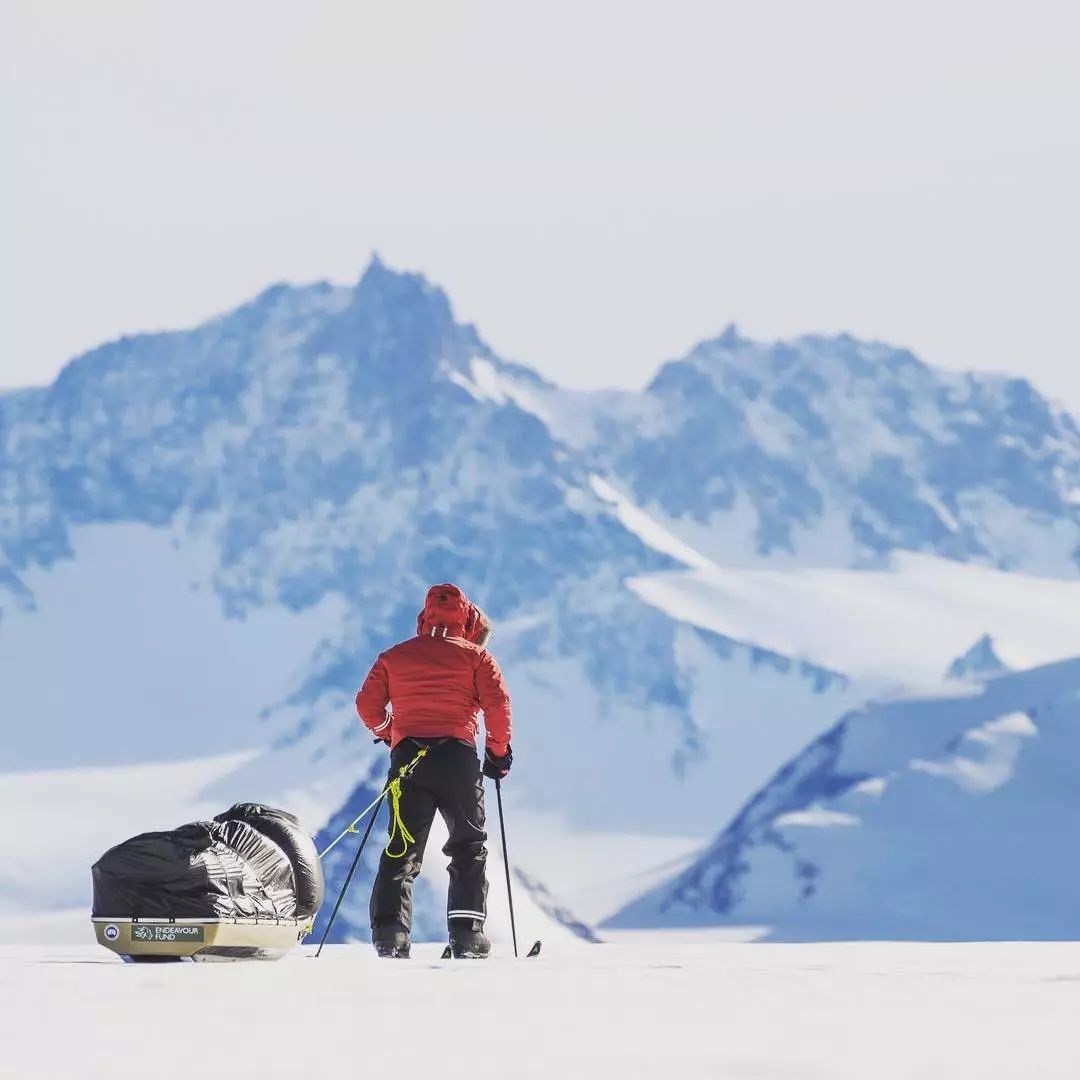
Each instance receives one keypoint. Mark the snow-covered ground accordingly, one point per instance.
(682, 1006)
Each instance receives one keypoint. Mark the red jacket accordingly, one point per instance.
(437, 681)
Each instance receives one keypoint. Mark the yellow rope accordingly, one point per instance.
(397, 824)
(394, 790)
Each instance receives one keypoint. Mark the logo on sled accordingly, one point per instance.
(170, 932)
(112, 932)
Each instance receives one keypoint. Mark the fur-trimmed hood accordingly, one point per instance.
(449, 612)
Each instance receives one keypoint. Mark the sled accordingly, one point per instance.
(245, 885)
(148, 940)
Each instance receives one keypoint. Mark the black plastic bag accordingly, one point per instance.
(252, 862)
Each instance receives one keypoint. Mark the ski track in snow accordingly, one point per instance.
(683, 1005)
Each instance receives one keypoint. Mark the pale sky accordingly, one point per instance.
(597, 185)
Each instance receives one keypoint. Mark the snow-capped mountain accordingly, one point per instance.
(948, 818)
(828, 451)
(207, 536)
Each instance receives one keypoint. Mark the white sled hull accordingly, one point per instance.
(199, 939)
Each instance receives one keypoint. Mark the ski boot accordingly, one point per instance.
(391, 943)
(468, 940)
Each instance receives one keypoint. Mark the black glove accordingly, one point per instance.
(496, 767)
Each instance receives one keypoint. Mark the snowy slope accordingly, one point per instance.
(126, 657)
(941, 818)
(896, 625)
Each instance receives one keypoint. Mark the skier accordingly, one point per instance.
(426, 692)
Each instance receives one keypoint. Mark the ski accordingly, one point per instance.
(447, 954)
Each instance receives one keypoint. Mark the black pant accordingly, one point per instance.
(449, 780)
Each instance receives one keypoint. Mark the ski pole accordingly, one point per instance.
(506, 863)
(352, 870)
